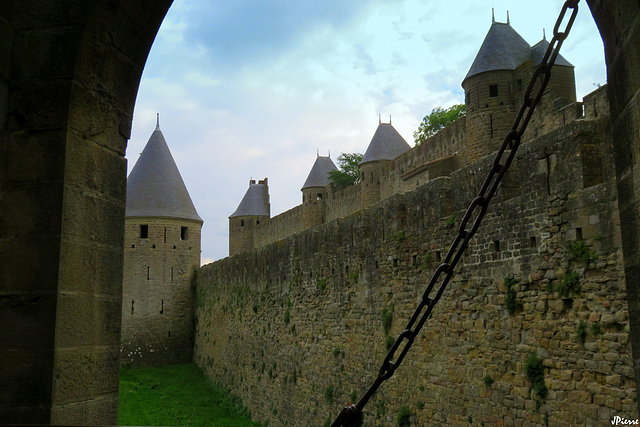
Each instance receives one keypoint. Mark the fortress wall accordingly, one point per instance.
(342, 203)
(297, 328)
(426, 161)
(279, 227)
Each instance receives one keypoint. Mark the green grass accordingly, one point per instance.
(178, 395)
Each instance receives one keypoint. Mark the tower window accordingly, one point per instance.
(184, 233)
(493, 91)
(144, 231)
(319, 196)
(161, 306)
(165, 235)
(148, 273)
(242, 223)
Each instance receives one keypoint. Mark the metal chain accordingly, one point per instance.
(352, 414)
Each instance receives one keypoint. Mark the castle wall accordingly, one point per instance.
(157, 296)
(278, 227)
(299, 328)
(343, 202)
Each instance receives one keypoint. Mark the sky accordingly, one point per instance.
(248, 89)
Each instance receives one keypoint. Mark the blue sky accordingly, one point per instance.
(252, 89)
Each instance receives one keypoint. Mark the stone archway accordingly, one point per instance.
(69, 72)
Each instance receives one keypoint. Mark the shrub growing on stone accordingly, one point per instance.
(534, 369)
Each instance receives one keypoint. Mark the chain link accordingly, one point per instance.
(352, 414)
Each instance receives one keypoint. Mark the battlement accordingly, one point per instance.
(450, 150)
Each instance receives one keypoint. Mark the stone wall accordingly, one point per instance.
(157, 295)
(278, 227)
(299, 328)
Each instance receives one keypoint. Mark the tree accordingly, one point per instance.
(349, 170)
(437, 120)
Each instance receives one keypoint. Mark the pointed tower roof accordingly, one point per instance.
(386, 144)
(538, 50)
(502, 49)
(155, 187)
(319, 175)
(254, 202)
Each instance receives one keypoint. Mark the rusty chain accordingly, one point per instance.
(352, 414)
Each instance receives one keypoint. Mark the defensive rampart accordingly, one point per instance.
(298, 328)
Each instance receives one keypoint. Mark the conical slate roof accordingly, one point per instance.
(538, 50)
(502, 49)
(155, 187)
(386, 144)
(319, 175)
(253, 202)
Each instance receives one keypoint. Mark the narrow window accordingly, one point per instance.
(162, 306)
(438, 256)
(148, 272)
(319, 196)
(169, 334)
(144, 231)
(165, 235)
(363, 176)
(395, 262)
(132, 304)
(172, 274)
(153, 246)
(493, 91)
(491, 124)
(578, 233)
(519, 84)
(467, 98)
(242, 223)
(184, 233)
(532, 242)
(496, 245)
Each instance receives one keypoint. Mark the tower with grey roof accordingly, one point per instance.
(386, 145)
(314, 192)
(497, 80)
(162, 252)
(253, 208)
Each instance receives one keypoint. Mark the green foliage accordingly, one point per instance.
(596, 330)
(348, 172)
(581, 332)
(322, 284)
(450, 221)
(353, 397)
(534, 369)
(580, 251)
(328, 394)
(387, 319)
(469, 419)
(420, 405)
(404, 416)
(337, 352)
(176, 395)
(488, 381)
(354, 276)
(428, 258)
(389, 342)
(569, 285)
(287, 317)
(329, 421)
(510, 299)
(437, 120)
(400, 236)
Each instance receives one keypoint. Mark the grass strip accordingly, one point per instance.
(177, 395)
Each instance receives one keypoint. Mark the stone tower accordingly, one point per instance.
(162, 252)
(314, 192)
(253, 208)
(386, 145)
(496, 82)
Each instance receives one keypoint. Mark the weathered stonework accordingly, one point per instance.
(158, 294)
(297, 329)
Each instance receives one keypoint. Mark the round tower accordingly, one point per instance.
(314, 192)
(386, 145)
(162, 252)
(496, 82)
(498, 73)
(253, 208)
